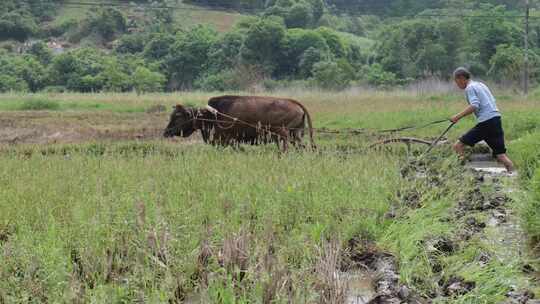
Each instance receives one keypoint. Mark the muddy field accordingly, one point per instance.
(42, 127)
(96, 207)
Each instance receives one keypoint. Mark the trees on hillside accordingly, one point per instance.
(21, 73)
(20, 19)
(262, 43)
(429, 47)
(419, 48)
(285, 42)
(188, 56)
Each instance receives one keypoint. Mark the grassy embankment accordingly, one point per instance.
(158, 220)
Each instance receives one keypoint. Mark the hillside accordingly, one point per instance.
(233, 45)
(185, 15)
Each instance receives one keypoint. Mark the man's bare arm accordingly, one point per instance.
(468, 111)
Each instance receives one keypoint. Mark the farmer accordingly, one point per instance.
(489, 127)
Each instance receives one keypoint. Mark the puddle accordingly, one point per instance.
(505, 233)
(486, 164)
(360, 288)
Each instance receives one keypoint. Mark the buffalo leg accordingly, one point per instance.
(296, 139)
(283, 135)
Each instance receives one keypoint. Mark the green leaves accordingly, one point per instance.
(188, 55)
(262, 43)
(145, 80)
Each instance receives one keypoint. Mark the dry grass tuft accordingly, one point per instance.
(234, 256)
(331, 289)
(203, 260)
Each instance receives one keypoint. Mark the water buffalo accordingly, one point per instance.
(229, 120)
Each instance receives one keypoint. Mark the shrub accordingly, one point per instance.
(17, 25)
(331, 75)
(215, 82)
(240, 78)
(10, 83)
(130, 44)
(54, 89)
(145, 80)
(377, 76)
(189, 55)
(39, 105)
(41, 51)
(107, 23)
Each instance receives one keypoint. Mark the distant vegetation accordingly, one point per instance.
(331, 44)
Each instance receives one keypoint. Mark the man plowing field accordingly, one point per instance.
(489, 127)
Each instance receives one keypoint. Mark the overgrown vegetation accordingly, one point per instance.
(329, 44)
(150, 221)
(528, 157)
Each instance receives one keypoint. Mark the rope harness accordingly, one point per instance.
(233, 121)
(350, 131)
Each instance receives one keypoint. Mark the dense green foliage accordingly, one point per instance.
(20, 19)
(314, 42)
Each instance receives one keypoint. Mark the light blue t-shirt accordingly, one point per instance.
(479, 96)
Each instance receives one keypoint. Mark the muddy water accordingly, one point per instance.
(360, 288)
(487, 164)
(504, 233)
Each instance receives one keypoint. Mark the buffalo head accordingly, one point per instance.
(181, 122)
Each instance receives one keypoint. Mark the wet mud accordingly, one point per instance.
(74, 127)
(378, 274)
(484, 211)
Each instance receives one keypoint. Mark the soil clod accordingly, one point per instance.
(520, 297)
(441, 245)
(457, 286)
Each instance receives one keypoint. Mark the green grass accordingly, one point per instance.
(531, 213)
(527, 157)
(41, 103)
(527, 154)
(129, 221)
(38, 105)
(91, 205)
(375, 111)
(153, 221)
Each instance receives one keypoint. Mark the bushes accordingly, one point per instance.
(331, 75)
(20, 19)
(39, 105)
(377, 76)
(286, 42)
(107, 23)
(189, 54)
(11, 83)
(130, 44)
(262, 45)
(17, 26)
(145, 80)
(298, 13)
(21, 73)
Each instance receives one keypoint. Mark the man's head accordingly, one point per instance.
(462, 76)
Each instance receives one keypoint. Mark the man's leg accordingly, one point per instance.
(459, 147)
(505, 160)
(470, 139)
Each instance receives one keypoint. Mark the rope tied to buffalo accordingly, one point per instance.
(350, 131)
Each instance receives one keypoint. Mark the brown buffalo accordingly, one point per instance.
(230, 120)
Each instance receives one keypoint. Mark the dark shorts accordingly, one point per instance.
(491, 132)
